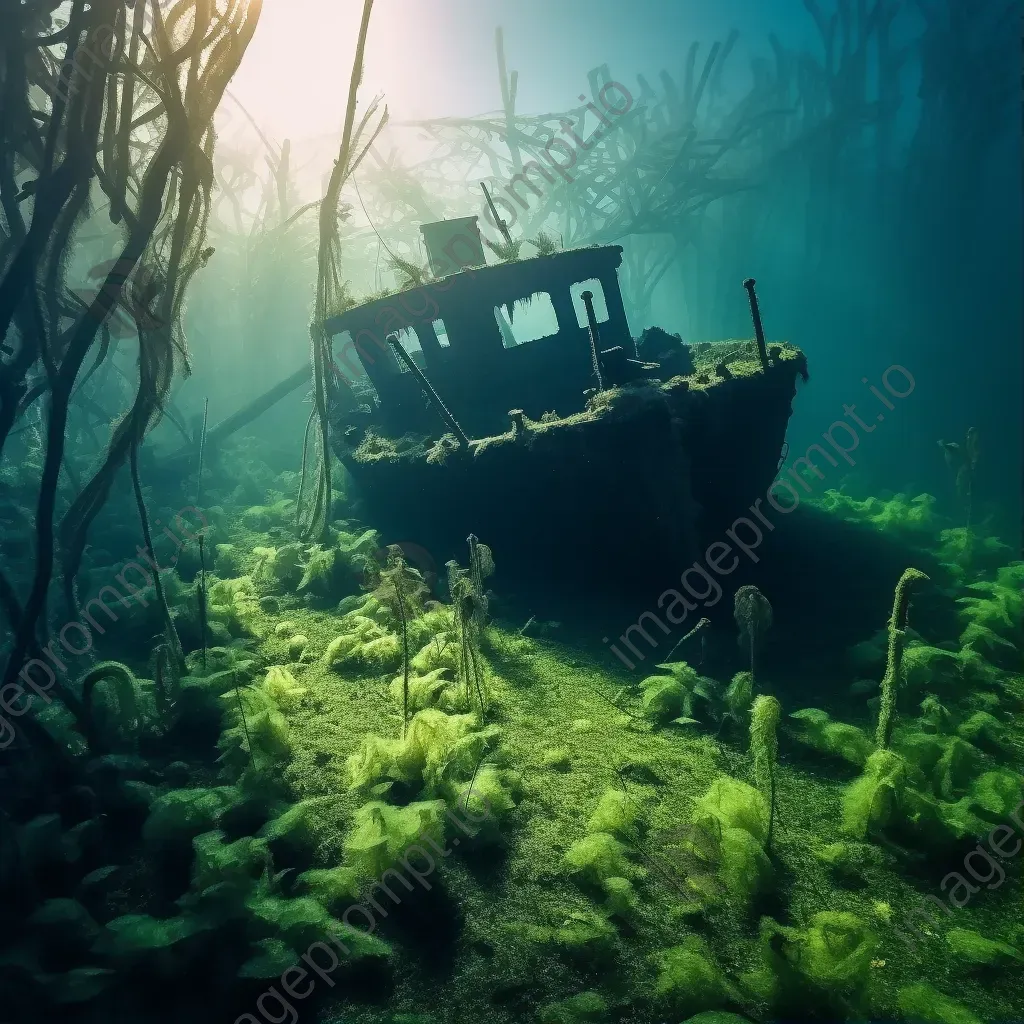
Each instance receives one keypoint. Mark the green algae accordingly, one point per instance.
(632, 855)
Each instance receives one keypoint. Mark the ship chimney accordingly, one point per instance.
(453, 245)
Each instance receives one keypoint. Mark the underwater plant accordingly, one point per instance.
(764, 749)
(545, 244)
(753, 615)
(201, 596)
(816, 728)
(313, 511)
(699, 630)
(690, 981)
(874, 801)
(125, 687)
(402, 589)
(824, 966)
(910, 579)
(962, 461)
(998, 605)
(672, 696)
(201, 593)
(408, 273)
(507, 250)
(739, 697)
(466, 588)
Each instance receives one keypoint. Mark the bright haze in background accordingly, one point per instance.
(435, 58)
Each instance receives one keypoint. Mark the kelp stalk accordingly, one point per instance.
(764, 748)
(897, 641)
(177, 654)
(201, 595)
(330, 287)
(405, 652)
(696, 631)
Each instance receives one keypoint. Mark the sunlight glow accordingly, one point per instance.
(294, 78)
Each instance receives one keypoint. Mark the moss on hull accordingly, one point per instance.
(666, 462)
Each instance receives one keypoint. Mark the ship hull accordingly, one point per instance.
(608, 500)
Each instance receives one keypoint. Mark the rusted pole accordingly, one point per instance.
(498, 220)
(428, 390)
(595, 338)
(755, 312)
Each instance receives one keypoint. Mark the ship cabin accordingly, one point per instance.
(489, 338)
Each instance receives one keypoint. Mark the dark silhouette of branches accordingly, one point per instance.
(84, 140)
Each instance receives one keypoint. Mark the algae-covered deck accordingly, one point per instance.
(659, 464)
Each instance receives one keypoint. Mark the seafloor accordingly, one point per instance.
(532, 832)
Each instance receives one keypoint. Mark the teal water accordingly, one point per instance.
(606, 609)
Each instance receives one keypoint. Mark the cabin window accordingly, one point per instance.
(347, 364)
(527, 320)
(600, 306)
(441, 333)
(411, 343)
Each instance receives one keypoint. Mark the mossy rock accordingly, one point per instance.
(997, 794)
(557, 758)
(873, 801)
(585, 1008)
(816, 729)
(973, 948)
(824, 966)
(957, 768)
(300, 829)
(63, 928)
(923, 1004)
(269, 960)
(336, 888)
(742, 868)
(991, 646)
(921, 750)
(429, 690)
(438, 751)
(218, 862)
(836, 951)
(383, 837)
(301, 921)
(617, 814)
(79, 985)
(281, 687)
(177, 817)
(690, 981)
(582, 937)
(931, 669)
(670, 695)
(620, 896)
(849, 860)
(998, 605)
(716, 1017)
(485, 801)
(598, 857)
(139, 935)
(664, 699)
(734, 804)
(986, 732)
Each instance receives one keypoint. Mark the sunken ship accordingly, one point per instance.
(586, 458)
